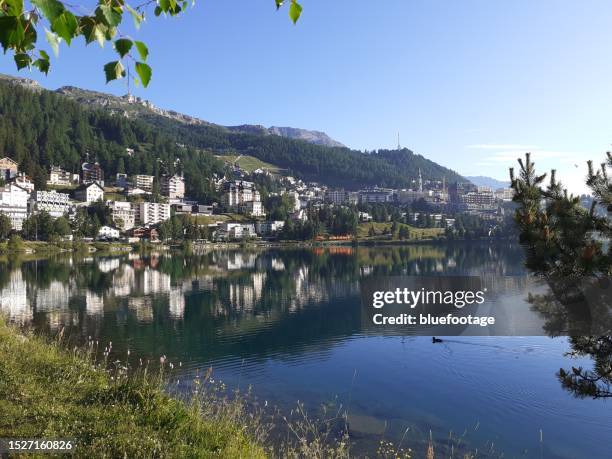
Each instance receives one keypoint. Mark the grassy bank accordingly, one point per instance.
(47, 392)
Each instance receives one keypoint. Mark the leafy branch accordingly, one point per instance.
(22, 22)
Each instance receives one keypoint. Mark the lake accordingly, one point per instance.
(288, 323)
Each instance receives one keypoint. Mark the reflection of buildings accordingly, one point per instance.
(94, 303)
(244, 295)
(13, 300)
(55, 296)
(176, 303)
(235, 260)
(106, 265)
(142, 307)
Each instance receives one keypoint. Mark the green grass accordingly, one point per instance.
(363, 231)
(248, 163)
(48, 392)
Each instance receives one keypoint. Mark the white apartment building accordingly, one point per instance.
(89, 193)
(269, 227)
(504, 194)
(235, 231)
(14, 204)
(24, 182)
(253, 208)
(152, 213)
(54, 203)
(123, 214)
(243, 197)
(108, 232)
(173, 186)
(144, 182)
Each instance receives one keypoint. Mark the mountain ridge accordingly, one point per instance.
(336, 166)
(130, 105)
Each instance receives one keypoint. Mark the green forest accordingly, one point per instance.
(42, 128)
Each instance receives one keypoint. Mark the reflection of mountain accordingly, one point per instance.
(229, 302)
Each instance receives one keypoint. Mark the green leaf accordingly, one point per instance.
(164, 5)
(295, 10)
(136, 16)
(114, 70)
(43, 54)
(142, 50)
(14, 7)
(144, 72)
(42, 65)
(65, 25)
(22, 60)
(123, 46)
(50, 9)
(111, 15)
(279, 3)
(53, 40)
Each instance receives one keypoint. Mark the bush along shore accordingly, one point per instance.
(50, 390)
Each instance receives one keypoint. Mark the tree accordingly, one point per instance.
(15, 243)
(569, 246)
(5, 227)
(562, 238)
(22, 23)
(61, 226)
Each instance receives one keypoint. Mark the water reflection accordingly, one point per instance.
(235, 285)
(288, 321)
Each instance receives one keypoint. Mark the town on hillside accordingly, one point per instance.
(88, 206)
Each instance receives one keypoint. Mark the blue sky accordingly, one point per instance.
(469, 84)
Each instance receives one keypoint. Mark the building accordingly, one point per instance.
(60, 177)
(407, 196)
(376, 195)
(8, 168)
(54, 203)
(108, 232)
(123, 214)
(152, 213)
(137, 192)
(242, 196)
(91, 173)
(234, 231)
(144, 182)
(269, 228)
(341, 197)
(204, 210)
(173, 186)
(23, 181)
(89, 193)
(14, 204)
(149, 234)
(504, 194)
(238, 192)
(253, 208)
(478, 200)
(121, 180)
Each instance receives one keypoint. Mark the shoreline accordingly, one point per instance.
(98, 248)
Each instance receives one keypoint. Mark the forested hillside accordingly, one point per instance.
(40, 128)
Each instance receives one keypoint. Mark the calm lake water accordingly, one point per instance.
(288, 323)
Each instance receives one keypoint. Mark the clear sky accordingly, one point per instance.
(470, 84)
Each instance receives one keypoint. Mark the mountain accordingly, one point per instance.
(481, 180)
(132, 106)
(315, 137)
(101, 126)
